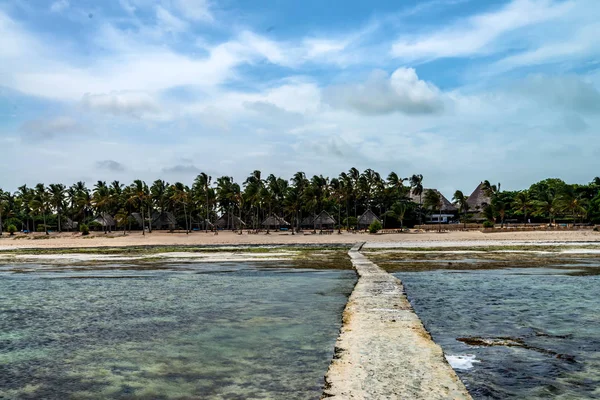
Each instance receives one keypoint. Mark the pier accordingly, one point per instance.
(383, 351)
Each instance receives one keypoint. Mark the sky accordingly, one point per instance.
(457, 90)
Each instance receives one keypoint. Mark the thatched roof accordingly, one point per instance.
(447, 206)
(231, 219)
(478, 199)
(367, 218)
(274, 220)
(165, 219)
(308, 221)
(105, 219)
(323, 219)
(137, 217)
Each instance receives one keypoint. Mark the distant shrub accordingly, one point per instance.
(94, 225)
(11, 229)
(596, 229)
(488, 224)
(84, 229)
(351, 222)
(375, 227)
(40, 228)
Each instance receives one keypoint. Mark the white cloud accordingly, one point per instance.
(59, 5)
(197, 10)
(168, 22)
(133, 104)
(403, 92)
(49, 128)
(110, 165)
(475, 35)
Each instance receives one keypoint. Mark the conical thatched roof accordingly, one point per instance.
(105, 220)
(308, 221)
(367, 218)
(323, 219)
(234, 221)
(447, 207)
(274, 220)
(162, 220)
(478, 199)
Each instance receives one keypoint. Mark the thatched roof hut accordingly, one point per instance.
(478, 199)
(367, 219)
(274, 221)
(229, 221)
(324, 220)
(447, 206)
(308, 221)
(105, 220)
(164, 220)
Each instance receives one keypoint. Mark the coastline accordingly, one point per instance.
(224, 238)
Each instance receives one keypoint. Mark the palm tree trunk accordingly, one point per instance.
(241, 226)
(143, 223)
(45, 225)
(149, 220)
(187, 232)
(206, 221)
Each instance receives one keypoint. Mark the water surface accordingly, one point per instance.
(548, 309)
(234, 331)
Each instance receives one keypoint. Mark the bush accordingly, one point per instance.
(488, 224)
(375, 227)
(40, 228)
(11, 229)
(84, 229)
(351, 222)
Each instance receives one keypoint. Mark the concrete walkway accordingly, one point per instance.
(383, 351)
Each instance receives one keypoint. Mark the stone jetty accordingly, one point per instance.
(383, 351)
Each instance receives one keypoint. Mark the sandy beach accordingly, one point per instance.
(161, 238)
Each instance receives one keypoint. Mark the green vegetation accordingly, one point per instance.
(11, 229)
(488, 224)
(375, 227)
(84, 229)
(396, 200)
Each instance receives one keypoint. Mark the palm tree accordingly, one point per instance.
(572, 202)
(522, 202)
(547, 203)
(181, 195)
(463, 205)
(139, 196)
(57, 200)
(3, 206)
(433, 200)
(397, 211)
(101, 200)
(416, 182)
(40, 202)
(201, 185)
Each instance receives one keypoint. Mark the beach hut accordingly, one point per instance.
(275, 222)
(230, 221)
(324, 221)
(308, 221)
(164, 220)
(367, 219)
(106, 221)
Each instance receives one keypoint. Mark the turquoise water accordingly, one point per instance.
(234, 331)
(549, 310)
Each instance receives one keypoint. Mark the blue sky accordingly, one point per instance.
(458, 90)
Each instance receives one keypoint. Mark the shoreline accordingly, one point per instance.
(234, 239)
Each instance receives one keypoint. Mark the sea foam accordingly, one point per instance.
(464, 361)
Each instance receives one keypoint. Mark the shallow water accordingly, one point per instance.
(232, 331)
(547, 308)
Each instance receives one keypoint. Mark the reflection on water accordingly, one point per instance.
(547, 308)
(196, 331)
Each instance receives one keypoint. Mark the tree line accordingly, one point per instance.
(345, 198)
